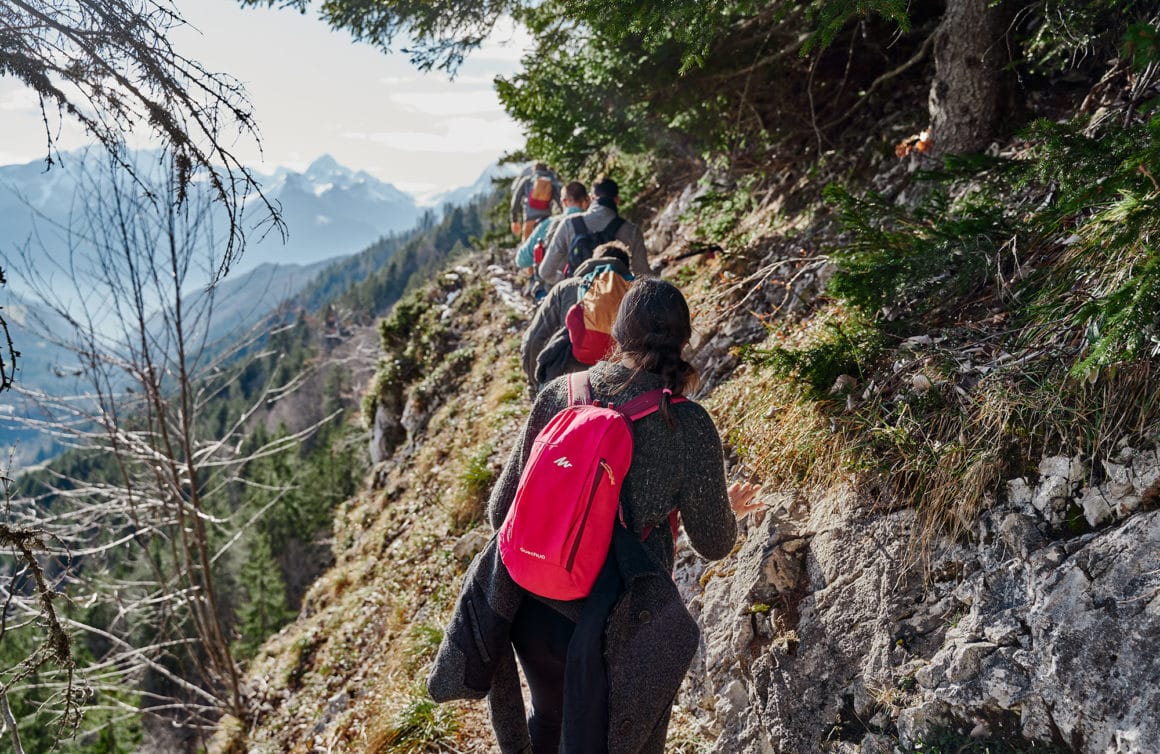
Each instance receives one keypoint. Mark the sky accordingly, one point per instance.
(315, 91)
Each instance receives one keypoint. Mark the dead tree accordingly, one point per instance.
(161, 499)
(108, 64)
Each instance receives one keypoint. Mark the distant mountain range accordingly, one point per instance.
(464, 194)
(331, 212)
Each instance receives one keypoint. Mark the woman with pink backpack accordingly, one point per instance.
(677, 468)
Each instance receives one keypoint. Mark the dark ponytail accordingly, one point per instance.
(652, 328)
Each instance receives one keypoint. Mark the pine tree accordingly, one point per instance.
(265, 609)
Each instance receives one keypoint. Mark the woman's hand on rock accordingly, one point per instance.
(741, 496)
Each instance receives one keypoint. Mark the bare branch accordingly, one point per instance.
(109, 66)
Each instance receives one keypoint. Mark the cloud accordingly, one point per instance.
(400, 80)
(471, 102)
(22, 99)
(424, 82)
(463, 135)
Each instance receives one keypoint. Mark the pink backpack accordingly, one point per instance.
(557, 532)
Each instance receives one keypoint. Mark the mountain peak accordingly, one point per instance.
(325, 165)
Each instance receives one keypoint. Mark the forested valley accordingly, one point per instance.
(917, 241)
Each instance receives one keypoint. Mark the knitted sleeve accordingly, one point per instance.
(548, 403)
(704, 498)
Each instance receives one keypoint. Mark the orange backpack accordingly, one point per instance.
(540, 194)
(589, 320)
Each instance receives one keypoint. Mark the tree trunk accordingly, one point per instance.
(966, 94)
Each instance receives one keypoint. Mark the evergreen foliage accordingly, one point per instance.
(263, 609)
(1105, 280)
(851, 347)
(913, 260)
(1060, 35)
(1008, 308)
(1091, 242)
(686, 80)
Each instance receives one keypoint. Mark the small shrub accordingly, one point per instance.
(423, 641)
(717, 212)
(840, 346)
(479, 475)
(912, 261)
(421, 726)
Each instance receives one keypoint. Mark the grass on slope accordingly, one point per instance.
(347, 676)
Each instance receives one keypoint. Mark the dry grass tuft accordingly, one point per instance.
(943, 450)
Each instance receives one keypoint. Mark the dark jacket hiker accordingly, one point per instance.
(601, 213)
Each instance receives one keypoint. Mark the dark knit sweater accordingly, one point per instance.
(672, 469)
(649, 637)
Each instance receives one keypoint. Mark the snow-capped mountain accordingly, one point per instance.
(464, 194)
(330, 210)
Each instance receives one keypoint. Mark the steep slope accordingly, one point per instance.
(958, 550)
(348, 668)
(827, 630)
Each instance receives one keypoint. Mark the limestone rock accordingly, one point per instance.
(1026, 631)
(387, 434)
(471, 543)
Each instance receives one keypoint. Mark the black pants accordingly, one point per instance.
(540, 636)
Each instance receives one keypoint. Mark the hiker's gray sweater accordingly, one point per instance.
(678, 469)
(596, 219)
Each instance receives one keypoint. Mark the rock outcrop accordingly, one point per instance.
(831, 630)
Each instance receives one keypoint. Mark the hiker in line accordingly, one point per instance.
(531, 251)
(677, 465)
(534, 196)
(546, 349)
(599, 216)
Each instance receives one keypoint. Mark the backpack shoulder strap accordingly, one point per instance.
(579, 227)
(579, 389)
(638, 408)
(613, 228)
(647, 403)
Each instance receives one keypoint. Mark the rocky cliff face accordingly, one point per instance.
(831, 631)
(840, 624)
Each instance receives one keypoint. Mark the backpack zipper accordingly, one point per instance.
(603, 468)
